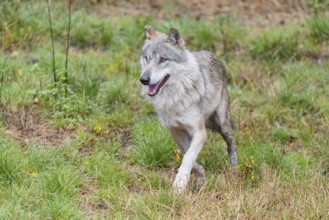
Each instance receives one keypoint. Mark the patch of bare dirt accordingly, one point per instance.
(26, 125)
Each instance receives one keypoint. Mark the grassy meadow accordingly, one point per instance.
(90, 147)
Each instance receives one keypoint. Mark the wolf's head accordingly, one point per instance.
(162, 59)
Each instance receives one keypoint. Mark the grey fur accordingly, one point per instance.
(221, 120)
(191, 95)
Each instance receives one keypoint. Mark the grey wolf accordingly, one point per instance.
(189, 93)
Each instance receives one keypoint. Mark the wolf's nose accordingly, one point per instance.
(145, 80)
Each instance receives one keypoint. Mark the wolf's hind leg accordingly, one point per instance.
(200, 174)
(224, 122)
(226, 130)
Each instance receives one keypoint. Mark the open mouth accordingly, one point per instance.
(154, 89)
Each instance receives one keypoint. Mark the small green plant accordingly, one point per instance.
(154, 146)
(71, 110)
(106, 33)
(10, 169)
(67, 109)
(318, 28)
(248, 170)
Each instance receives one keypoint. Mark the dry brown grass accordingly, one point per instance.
(271, 199)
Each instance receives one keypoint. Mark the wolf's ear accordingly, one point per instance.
(149, 32)
(174, 38)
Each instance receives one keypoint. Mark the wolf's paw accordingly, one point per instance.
(199, 181)
(180, 183)
(235, 170)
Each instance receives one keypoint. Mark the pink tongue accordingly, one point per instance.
(152, 88)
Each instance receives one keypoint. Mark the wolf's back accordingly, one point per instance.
(210, 64)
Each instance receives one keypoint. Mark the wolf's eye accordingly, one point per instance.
(146, 59)
(162, 60)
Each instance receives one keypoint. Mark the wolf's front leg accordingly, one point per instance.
(182, 138)
(199, 138)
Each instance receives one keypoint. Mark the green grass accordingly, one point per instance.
(154, 147)
(10, 168)
(318, 28)
(101, 153)
(281, 45)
